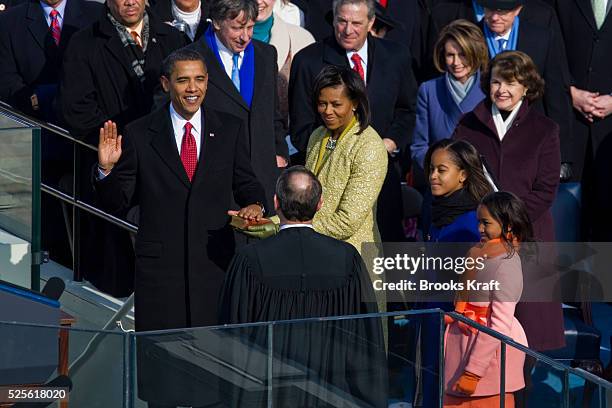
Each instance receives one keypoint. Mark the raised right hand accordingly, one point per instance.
(109, 147)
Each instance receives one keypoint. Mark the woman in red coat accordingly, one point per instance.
(521, 148)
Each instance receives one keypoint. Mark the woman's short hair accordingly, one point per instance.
(466, 157)
(333, 76)
(515, 66)
(471, 41)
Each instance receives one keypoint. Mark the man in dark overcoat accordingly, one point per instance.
(111, 72)
(30, 58)
(182, 164)
(587, 33)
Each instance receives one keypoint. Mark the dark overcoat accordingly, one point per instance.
(28, 54)
(266, 132)
(99, 84)
(527, 163)
(184, 242)
(590, 61)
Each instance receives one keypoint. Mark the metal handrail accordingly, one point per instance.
(20, 117)
(538, 356)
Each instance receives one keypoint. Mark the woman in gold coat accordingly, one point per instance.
(348, 157)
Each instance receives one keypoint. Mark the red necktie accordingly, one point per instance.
(56, 31)
(189, 151)
(358, 67)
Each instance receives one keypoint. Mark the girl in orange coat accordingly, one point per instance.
(472, 359)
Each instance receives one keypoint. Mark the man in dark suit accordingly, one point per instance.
(181, 164)
(296, 274)
(31, 50)
(243, 77)
(386, 67)
(587, 33)
(188, 16)
(111, 72)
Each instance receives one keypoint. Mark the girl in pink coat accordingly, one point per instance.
(472, 359)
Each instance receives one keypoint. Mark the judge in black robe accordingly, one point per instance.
(298, 274)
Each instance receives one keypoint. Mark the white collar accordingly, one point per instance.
(224, 49)
(287, 226)
(362, 52)
(502, 125)
(60, 9)
(505, 36)
(178, 122)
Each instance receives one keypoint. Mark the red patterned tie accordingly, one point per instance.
(358, 67)
(189, 151)
(56, 31)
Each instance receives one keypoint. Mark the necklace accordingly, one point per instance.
(331, 143)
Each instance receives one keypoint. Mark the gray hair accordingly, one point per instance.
(230, 9)
(369, 4)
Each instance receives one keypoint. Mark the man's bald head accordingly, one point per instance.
(298, 194)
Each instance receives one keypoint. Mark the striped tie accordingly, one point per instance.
(56, 31)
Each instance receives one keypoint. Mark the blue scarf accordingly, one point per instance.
(247, 70)
(478, 10)
(494, 46)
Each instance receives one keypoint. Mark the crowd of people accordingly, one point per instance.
(197, 107)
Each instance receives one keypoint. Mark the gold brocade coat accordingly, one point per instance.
(351, 177)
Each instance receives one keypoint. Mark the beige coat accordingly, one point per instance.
(352, 178)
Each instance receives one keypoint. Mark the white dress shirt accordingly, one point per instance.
(504, 37)
(363, 54)
(227, 56)
(178, 125)
(286, 226)
(60, 9)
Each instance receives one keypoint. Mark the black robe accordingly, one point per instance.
(299, 274)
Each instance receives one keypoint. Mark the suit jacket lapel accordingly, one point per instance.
(218, 76)
(115, 46)
(211, 125)
(259, 76)
(72, 21)
(37, 24)
(587, 11)
(371, 58)
(163, 143)
(333, 54)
